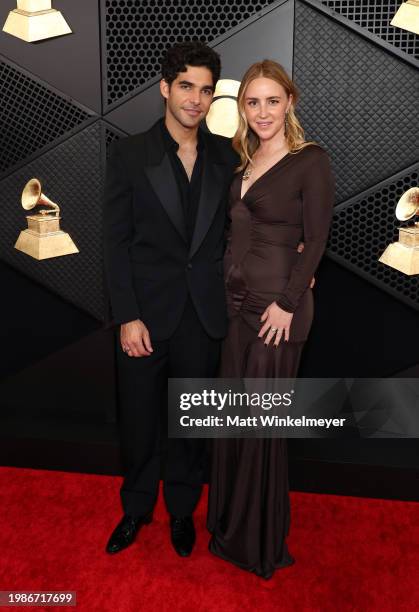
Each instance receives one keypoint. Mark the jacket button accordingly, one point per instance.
(189, 266)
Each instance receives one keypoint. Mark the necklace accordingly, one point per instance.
(247, 173)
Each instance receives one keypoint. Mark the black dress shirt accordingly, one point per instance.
(190, 191)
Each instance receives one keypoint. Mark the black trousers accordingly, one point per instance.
(189, 353)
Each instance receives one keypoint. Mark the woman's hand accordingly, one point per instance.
(277, 322)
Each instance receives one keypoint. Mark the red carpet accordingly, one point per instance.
(351, 554)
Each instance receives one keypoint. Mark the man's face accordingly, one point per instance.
(189, 96)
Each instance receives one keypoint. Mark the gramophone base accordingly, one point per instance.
(36, 26)
(402, 258)
(45, 246)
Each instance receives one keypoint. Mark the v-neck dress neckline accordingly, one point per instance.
(260, 177)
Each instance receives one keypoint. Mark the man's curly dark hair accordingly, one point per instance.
(190, 53)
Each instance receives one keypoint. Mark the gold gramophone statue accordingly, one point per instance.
(35, 20)
(43, 238)
(404, 254)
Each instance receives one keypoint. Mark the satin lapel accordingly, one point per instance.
(163, 181)
(211, 191)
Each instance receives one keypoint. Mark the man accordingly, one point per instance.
(165, 211)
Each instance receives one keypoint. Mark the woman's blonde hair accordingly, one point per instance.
(245, 141)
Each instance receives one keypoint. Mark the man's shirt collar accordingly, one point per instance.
(170, 143)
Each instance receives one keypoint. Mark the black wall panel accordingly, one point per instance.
(65, 387)
(249, 42)
(110, 134)
(71, 175)
(364, 226)
(138, 113)
(375, 17)
(139, 31)
(269, 36)
(70, 63)
(32, 115)
(358, 331)
(36, 322)
(357, 99)
(361, 106)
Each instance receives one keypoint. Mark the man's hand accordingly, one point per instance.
(300, 249)
(135, 339)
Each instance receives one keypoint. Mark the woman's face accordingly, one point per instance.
(265, 105)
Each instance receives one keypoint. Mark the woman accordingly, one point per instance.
(282, 194)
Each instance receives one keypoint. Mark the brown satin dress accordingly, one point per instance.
(249, 508)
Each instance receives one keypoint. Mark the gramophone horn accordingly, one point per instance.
(32, 195)
(408, 205)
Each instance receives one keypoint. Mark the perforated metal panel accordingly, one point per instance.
(69, 63)
(110, 135)
(139, 31)
(31, 115)
(365, 226)
(71, 174)
(357, 100)
(375, 16)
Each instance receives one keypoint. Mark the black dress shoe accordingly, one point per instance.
(125, 532)
(182, 531)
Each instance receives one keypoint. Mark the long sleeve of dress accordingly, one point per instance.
(318, 199)
(118, 229)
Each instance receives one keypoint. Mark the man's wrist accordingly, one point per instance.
(132, 321)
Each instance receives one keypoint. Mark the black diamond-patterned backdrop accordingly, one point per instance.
(357, 100)
(375, 16)
(139, 31)
(71, 175)
(365, 226)
(31, 115)
(112, 134)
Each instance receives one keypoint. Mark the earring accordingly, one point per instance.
(286, 123)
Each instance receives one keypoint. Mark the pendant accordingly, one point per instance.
(246, 174)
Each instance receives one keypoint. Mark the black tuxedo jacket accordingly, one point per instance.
(149, 264)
